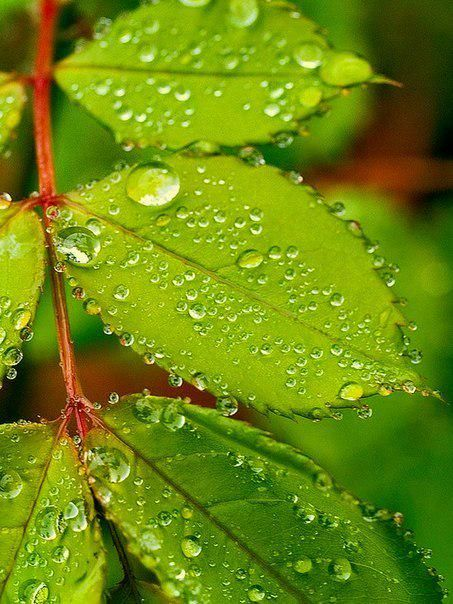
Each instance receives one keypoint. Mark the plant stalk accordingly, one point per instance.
(42, 83)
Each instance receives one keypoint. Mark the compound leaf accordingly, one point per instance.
(12, 100)
(233, 72)
(237, 280)
(50, 542)
(22, 260)
(200, 499)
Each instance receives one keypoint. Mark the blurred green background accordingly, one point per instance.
(386, 153)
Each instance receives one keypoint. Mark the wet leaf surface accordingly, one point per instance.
(238, 281)
(22, 259)
(12, 100)
(50, 544)
(221, 512)
(233, 72)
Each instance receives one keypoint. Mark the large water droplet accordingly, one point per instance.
(191, 546)
(10, 484)
(351, 391)
(250, 259)
(340, 569)
(60, 554)
(256, 593)
(34, 592)
(109, 464)
(303, 565)
(153, 184)
(146, 411)
(49, 523)
(345, 69)
(244, 13)
(308, 55)
(12, 356)
(78, 244)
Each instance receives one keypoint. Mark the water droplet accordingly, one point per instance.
(340, 569)
(173, 418)
(250, 259)
(195, 3)
(34, 592)
(146, 411)
(303, 565)
(5, 201)
(10, 484)
(60, 554)
(78, 244)
(244, 13)
(153, 184)
(256, 593)
(345, 69)
(191, 546)
(12, 357)
(308, 55)
(351, 391)
(108, 464)
(227, 405)
(49, 523)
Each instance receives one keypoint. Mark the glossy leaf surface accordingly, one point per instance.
(12, 99)
(238, 280)
(22, 258)
(222, 512)
(50, 547)
(233, 72)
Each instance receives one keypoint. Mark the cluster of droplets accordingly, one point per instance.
(164, 510)
(292, 70)
(53, 549)
(14, 329)
(234, 289)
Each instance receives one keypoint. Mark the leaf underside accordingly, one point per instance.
(12, 100)
(22, 261)
(221, 512)
(230, 72)
(245, 284)
(50, 543)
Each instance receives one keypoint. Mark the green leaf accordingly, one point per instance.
(245, 284)
(136, 593)
(12, 100)
(22, 259)
(50, 542)
(220, 511)
(233, 72)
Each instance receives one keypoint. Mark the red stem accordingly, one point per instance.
(48, 195)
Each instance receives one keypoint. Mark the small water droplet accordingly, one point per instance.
(108, 464)
(78, 244)
(351, 391)
(191, 547)
(250, 259)
(10, 484)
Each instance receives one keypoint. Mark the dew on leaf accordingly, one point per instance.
(153, 184)
(303, 565)
(12, 356)
(308, 55)
(79, 245)
(11, 484)
(250, 259)
(340, 570)
(227, 405)
(191, 546)
(49, 523)
(108, 463)
(34, 592)
(256, 593)
(244, 13)
(60, 554)
(146, 411)
(351, 391)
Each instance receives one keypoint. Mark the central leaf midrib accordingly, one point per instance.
(199, 506)
(67, 65)
(216, 277)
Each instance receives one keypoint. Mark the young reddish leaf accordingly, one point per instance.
(219, 511)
